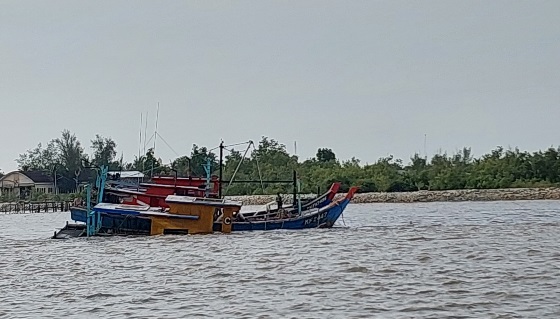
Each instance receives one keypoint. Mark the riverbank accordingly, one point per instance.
(429, 196)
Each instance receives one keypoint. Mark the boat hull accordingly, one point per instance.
(116, 224)
(324, 217)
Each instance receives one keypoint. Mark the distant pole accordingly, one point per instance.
(140, 143)
(55, 189)
(425, 154)
(295, 147)
(155, 139)
(145, 133)
(155, 132)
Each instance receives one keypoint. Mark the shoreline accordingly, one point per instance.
(461, 195)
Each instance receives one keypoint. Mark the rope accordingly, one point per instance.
(217, 147)
(171, 148)
(237, 168)
(258, 168)
(146, 143)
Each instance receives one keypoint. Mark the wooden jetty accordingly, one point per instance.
(35, 207)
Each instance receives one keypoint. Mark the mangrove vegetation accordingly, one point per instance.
(66, 159)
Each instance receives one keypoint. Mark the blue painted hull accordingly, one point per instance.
(116, 223)
(323, 218)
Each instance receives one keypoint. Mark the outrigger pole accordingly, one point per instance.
(221, 168)
(294, 180)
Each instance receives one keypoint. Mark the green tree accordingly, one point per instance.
(182, 165)
(199, 156)
(138, 164)
(40, 158)
(151, 164)
(71, 152)
(104, 151)
(325, 155)
(275, 163)
(418, 172)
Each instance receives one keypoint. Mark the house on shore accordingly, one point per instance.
(22, 183)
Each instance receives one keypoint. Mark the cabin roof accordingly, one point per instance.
(127, 174)
(201, 187)
(216, 202)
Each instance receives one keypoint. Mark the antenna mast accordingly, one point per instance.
(155, 138)
(140, 143)
(425, 155)
(155, 133)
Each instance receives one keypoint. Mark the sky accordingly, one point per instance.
(364, 78)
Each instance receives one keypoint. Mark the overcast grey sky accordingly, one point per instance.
(365, 78)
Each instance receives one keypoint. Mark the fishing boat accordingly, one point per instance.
(195, 215)
(133, 219)
(188, 206)
(185, 215)
(320, 216)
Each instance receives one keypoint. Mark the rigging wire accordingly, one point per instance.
(171, 148)
(146, 143)
(258, 168)
(231, 145)
(237, 168)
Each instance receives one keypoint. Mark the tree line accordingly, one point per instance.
(269, 160)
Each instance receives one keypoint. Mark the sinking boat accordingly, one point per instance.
(127, 219)
(185, 215)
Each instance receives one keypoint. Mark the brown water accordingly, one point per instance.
(434, 260)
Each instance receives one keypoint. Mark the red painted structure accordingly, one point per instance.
(186, 181)
(154, 194)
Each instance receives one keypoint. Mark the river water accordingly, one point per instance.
(432, 260)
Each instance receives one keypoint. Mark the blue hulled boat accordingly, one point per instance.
(324, 216)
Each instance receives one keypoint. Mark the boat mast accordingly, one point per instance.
(295, 188)
(140, 142)
(155, 138)
(221, 169)
(145, 142)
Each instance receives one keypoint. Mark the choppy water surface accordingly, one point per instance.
(435, 260)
